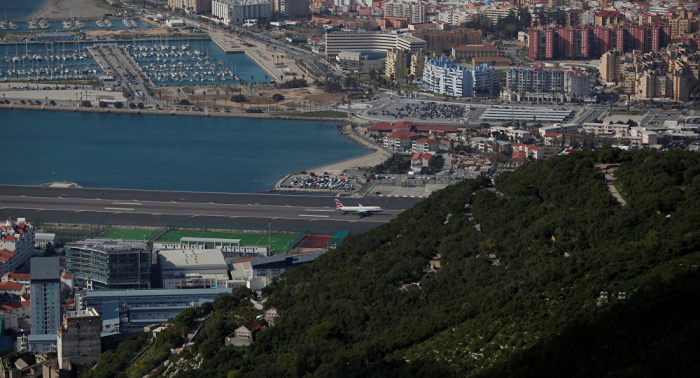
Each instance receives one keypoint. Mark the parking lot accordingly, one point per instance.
(326, 183)
(425, 110)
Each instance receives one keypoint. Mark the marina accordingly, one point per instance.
(47, 62)
(72, 24)
(171, 63)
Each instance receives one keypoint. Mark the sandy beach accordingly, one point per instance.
(369, 160)
(60, 10)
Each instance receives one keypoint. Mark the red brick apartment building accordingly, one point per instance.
(593, 42)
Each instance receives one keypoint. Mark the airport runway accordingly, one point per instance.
(159, 208)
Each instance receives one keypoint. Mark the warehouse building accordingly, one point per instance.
(189, 268)
(139, 308)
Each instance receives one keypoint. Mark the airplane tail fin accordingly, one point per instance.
(338, 205)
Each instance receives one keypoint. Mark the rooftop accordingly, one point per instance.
(153, 293)
(111, 245)
(45, 268)
(176, 258)
(475, 47)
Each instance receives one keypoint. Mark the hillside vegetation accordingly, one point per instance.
(515, 296)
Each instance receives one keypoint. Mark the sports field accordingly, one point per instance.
(130, 234)
(279, 242)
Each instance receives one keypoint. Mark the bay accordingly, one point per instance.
(19, 9)
(132, 151)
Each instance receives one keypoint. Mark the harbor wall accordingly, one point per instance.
(168, 112)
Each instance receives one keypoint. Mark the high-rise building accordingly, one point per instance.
(45, 284)
(293, 9)
(16, 244)
(110, 264)
(593, 42)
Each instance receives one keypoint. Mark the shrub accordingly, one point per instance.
(238, 98)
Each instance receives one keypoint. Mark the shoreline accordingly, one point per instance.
(168, 112)
(371, 158)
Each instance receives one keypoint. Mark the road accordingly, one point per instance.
(158, 208)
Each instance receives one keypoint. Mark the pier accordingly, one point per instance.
(115, 62)
(227, 45)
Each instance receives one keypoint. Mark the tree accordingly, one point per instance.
(436, 162)
(86, 104)
(486, 23)
(277, 97)
(102, 104)
(238, 98)
(49, 251)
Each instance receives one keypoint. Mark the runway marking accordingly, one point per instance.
(60, 197)
(118, 208)
(319, 210)
(127, 203)
(315, 216)
(173, 201)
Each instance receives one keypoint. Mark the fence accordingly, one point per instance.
(292, 244)
(72, 229)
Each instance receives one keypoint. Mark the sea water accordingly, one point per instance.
(19, 9)
(134, 151)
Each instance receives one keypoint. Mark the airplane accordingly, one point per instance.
(362, 210)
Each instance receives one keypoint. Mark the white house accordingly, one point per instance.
(420, 161)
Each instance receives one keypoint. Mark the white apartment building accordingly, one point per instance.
(237, 11)
(444, 77)
(512, 133)
(574, 83)
(414, 12)
(16, 244)
(647, 136)
(424, 145)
